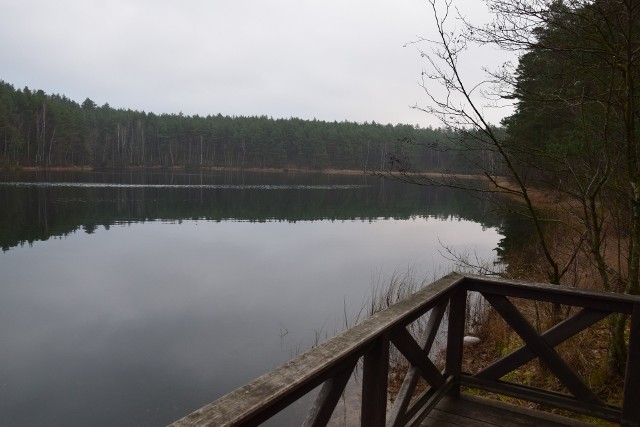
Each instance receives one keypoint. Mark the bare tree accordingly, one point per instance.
(578, 71)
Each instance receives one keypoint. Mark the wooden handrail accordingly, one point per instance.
(596, 306)
(333, 362)
(267, 395)
(599, 300)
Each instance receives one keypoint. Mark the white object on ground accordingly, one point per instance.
(470, 340)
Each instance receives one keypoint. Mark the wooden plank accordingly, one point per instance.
(405, 343)
(456, 319)
(408, 387)
(554, 336)
(327, 399)
(479, 411)
(425, 404)
(615, 297)
(375, 374)
(265, 396)
(606, 301)
(544, 397)
(631, 397)
(421, 406)
(466, 415)
(542, 349)
(433, 420)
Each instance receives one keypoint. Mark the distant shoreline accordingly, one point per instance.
(328, 171)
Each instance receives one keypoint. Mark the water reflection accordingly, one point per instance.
(173, 297)
(37, 210)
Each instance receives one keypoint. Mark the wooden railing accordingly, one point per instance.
(331, 364)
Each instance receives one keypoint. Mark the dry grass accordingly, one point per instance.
(586, 353)
(386, 291)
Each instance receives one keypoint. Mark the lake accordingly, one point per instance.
(134, 298)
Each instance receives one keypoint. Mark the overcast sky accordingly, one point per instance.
(330, 59)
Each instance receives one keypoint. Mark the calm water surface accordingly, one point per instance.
(135, 298)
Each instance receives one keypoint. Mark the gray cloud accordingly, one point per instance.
(332, 60)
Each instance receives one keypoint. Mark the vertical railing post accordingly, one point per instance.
(375, 371)
(455, 336)
(630, 406)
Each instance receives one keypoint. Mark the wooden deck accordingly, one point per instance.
(473, 411)
(444, 403)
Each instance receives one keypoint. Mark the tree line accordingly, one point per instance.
(573, 135)
(39, 129)
(31, 214)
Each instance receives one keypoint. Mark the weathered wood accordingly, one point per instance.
(331, 362)
(455, 336)
(322, 409)
(544, 397)
(606, 301)
(554, 336)
(426, 402)
(474, 411)
(405, 343)
(408, 387)
(267, 395)
(631, 397)
(541, 348)
(375, 374)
